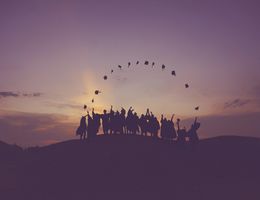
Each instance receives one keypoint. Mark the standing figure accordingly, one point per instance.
(192, 133)
(96, 122)
(163, 127)
(155, 126)
(90, 127)
(181, 133)
(82, 129)
(143, 125)
(171, 131)
(122, 121)
(112, 120)
(105, 122)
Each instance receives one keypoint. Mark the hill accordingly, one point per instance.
(8, 152)
(134, 167)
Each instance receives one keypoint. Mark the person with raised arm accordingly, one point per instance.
(181, 132)
(82, 129)
(192, 133)
(111, 120)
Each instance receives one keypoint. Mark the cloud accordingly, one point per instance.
(9, 94)
(121, 79)
(236, 103)
(19, 94)
(30, 129)
(35, 94)
(65, 105)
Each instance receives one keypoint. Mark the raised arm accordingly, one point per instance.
(172, 117)
(195, 121)
(147, 112)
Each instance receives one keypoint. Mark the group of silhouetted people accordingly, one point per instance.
(122, 122)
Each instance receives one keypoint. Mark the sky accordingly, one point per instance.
(54, 54)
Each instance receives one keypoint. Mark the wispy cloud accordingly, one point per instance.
(35, 94)
(9, 94)
(121, 79)
(65, 105)
(236, 103)
(5, 94)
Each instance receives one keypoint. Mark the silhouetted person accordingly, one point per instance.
(148, 122)
(171, 130)
(181, 133)
(192, 133)
(105, 122)
(112, 120)
(129, 121)
(143, 125)
(154, 125)
(118, 123)
(90, 127)
(122, 121)
(96, 122)
(163, 127)
(135, 123)
(82, 129)
(167, 129)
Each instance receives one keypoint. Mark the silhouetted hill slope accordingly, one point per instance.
(7, 147)
(135, 167)
(8, 151)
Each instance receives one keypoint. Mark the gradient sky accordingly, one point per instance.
(53, 55)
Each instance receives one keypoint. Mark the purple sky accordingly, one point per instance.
(53, 55)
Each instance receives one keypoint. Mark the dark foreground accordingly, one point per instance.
(131, 167)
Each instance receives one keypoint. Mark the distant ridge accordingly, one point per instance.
(7, 150)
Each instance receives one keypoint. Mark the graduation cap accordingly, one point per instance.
(137, 62)
(197, 108)
(153, 64)
(105, 77)
(97, 92)
(119, 66)
(146, 62)
(163, 67)
(112, 71)
(85, 107)
(187, 85)
(173, 73)
(92, 100)
(129, 64)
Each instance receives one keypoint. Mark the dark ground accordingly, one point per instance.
(132, 167)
